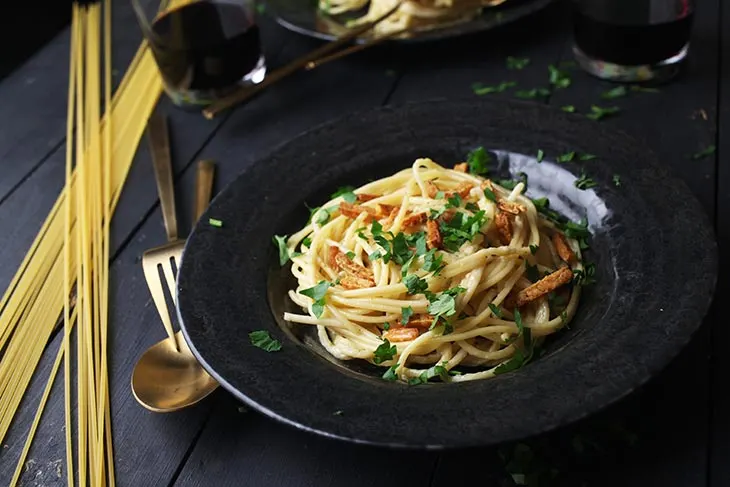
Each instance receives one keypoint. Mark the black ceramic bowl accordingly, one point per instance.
(652, 245)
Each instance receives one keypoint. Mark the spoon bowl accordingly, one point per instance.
(166, 379)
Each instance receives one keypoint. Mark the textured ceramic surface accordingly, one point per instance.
(654, 250)
(303, 17)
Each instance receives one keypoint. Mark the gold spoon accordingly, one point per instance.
(164, 378)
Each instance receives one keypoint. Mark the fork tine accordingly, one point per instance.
(169, 276)
(152, 276)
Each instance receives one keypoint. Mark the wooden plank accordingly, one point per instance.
(134, 322)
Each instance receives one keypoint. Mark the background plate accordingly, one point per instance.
(302, 16)
(654, 251)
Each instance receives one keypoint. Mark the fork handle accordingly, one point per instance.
(160, 147)
(203, 187)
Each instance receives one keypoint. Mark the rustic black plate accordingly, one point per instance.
(654, 251)
(302, 16)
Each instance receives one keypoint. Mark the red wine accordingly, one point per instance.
(629, 44)
(205, 45)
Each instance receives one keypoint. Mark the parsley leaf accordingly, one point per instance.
(460, 230)
(384, 352)
(214, 222)
(386, 326)
(616, 180)
(472, 207)
(540, 155)
(317, 293)
(567, 157)
(586, 276)
(280, 242)
(390, 374)
(454, 201)
(414, 284)
(478, 161)
(432, 262)
(558, 77)
(489, 194)
(520, 357)
(507, 183)
(541, 203)
(435, 371)
(262, 339)
(617, 92)
(322, 215)
(307, 242)
(443, 305)
(584, 182)
(568, 108)
(708, 151)
(597, 113)
(401, 252)
(533, 249)
(517, 62)
(576, 230)
(407, 313)
(350, 255)
(495, 310)
(347, 193)
(480, 89)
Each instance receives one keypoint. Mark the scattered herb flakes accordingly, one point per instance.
(386, 326)
(307, 242)
(540, 155)
(598, 113)
(461, 229)
(414, 284)
(407, 313)
(541, 203)
(480, 89)
(262, 339)
(533, 249)
(317, 293)
(320, 216)
(495, 310)
(584, 182)
(586, 157)
(533, 93)
(478, 161)
(558, 77)
(616, 180)
(384, 352)
(350, 255)
(613, 93)
(347, 192)
(507, 183)
(517, 62)
(454, 201)
(568, 108)
(567, 157)
(585, 276)
(644, 89)
(472, 207)
(489, 194)
(280, 242)
(435, 371)
(521, 357)
(214, 222)
(390, 374)
(433, 262)
(708, 151)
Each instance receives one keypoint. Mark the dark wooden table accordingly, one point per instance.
(675, 431)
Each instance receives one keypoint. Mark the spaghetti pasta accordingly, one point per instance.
(433, 272)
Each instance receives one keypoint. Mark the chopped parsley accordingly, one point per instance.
(454, 201)
(461, 228)
(214, 222)
(307, 242)
(263, 340)
(616, 180)
(280, 242)
(540, 155)
(533, 93)
(414, 284)
(322, 215)
(517, 62)
(533, 249)
(617, 92)
(708, 151)
(478, 161)
(472, 207)
(507, 183)
(480, 89)
(495, 310)
(390, 374)
(407, 313)
(489, 194)
(435, 371)
(586, 157)
(384, 352)
(317, 293)
(558, 77)
(350, 255)
(347, 193)
(586, 276)
(386, 326)
(568, 108)
(521, 357)
(584, 182)
(433, 262)
(598, 113)
(567, 157)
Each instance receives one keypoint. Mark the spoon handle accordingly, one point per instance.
(203, 187)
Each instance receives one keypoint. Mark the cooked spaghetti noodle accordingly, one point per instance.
(432, 269)
(412, 14)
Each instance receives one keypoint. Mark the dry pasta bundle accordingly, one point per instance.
(433, 269)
